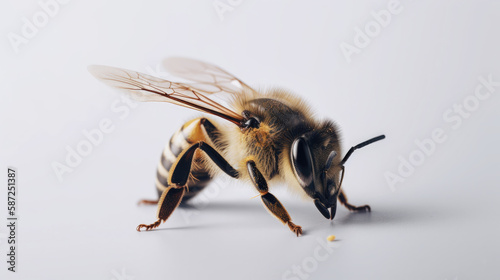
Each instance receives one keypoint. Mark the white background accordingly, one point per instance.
(440, 223)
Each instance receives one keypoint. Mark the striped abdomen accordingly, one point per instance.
(190, 133)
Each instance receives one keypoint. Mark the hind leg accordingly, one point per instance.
(172, 196)
(197, 182)
(200, 129)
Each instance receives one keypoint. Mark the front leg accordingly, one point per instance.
(343, 200)
(269, 200)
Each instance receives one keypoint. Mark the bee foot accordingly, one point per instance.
(364, 208)
(147, 202)
(295, 228)
(149, 227)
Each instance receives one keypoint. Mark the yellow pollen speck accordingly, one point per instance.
(330, 238)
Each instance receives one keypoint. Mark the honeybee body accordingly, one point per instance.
(274, 138)
(282, 118)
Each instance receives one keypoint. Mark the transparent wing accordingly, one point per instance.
(143, 87)
(207, 77)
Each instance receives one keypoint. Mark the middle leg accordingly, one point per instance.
(270, 201)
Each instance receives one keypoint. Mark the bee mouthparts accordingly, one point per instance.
(322, 209)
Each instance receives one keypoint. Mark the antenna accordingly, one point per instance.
(359, 146)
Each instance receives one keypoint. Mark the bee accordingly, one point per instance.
(265, 137)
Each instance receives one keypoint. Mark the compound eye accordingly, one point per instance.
(302, 161)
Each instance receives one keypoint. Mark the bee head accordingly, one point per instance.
(314, 158)
(318, 168)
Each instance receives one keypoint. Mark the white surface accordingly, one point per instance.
(441, 223)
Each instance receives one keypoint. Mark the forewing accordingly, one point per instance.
(206, 77)
(143, 87)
